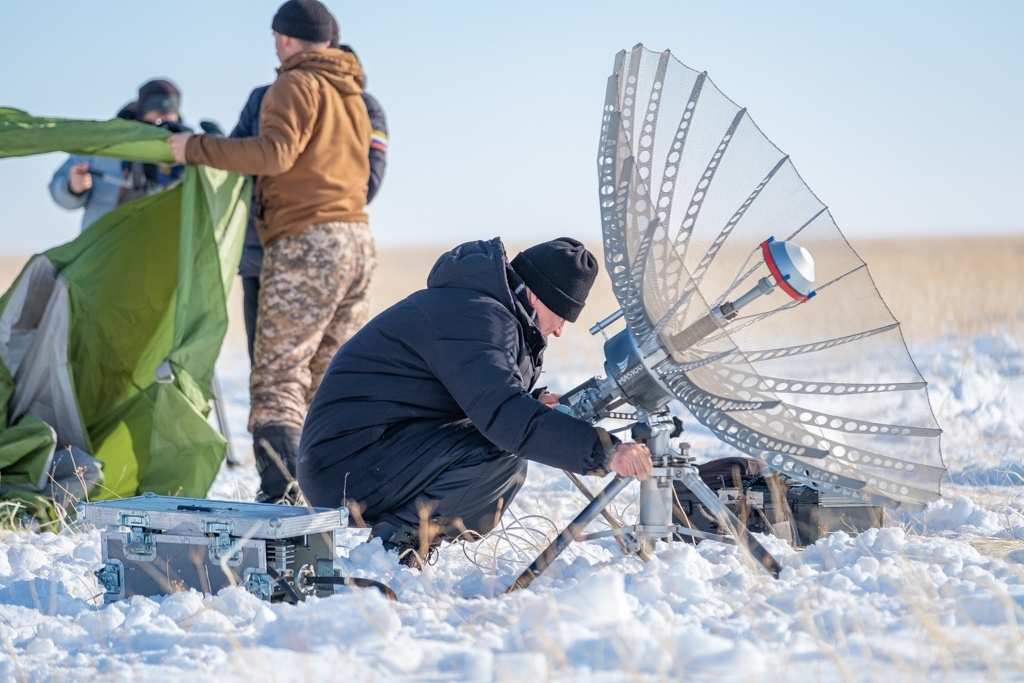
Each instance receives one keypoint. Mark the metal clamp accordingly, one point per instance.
(258, 583)
(111, 577)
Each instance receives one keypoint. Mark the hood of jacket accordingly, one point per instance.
(482, 267)
(478, 266)
(340, 69)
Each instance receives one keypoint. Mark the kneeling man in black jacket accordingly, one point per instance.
(425, 418)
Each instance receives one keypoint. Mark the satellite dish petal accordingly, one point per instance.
(703, 216)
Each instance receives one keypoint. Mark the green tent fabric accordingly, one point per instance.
(22, 134)
(26, 453)
(127, 320)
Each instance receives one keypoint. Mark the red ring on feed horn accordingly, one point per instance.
(777, 274)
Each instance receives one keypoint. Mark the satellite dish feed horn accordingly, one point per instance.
(792, 269)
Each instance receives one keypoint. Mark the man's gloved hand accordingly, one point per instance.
(631, 460)
(79, 179)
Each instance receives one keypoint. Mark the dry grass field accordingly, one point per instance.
(964, 286)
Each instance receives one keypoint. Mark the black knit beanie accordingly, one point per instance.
(157, 95)
(560, 272)
(304, 19)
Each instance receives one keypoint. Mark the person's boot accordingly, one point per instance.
(276, 447)
(405, 541)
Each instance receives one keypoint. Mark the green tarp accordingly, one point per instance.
(145, 311)
(22, 135)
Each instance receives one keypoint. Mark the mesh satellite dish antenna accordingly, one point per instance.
(744, 303)
(691, 191)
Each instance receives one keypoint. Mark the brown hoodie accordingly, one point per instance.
(312, 152)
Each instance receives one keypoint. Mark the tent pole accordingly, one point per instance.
(222, 421)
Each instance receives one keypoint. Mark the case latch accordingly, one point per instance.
(221, 543)
(138, 541)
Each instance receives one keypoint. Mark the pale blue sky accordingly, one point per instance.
(903, 117)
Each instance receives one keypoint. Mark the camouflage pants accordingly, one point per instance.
(314, 295)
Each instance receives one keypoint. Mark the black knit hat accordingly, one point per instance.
(560, 272)
(335, 34)
(304, 19)
(157, 95)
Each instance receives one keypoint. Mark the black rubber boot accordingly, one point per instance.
(405, 540)
(276, 447)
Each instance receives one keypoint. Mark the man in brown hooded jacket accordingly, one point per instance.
(312, 158)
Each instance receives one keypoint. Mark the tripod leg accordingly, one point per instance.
(691, 480)
(612, 520)
(570, 533)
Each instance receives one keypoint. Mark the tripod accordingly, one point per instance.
(655, 521)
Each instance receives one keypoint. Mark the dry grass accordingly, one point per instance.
(10, 266)
(933, 286)
(950, 285)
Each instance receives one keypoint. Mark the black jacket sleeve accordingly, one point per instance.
(472, 355)
(378, 145)
(249, 120)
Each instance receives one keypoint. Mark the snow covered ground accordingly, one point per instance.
(937, 595)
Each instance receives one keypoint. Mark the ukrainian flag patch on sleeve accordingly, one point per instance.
(379, 140)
